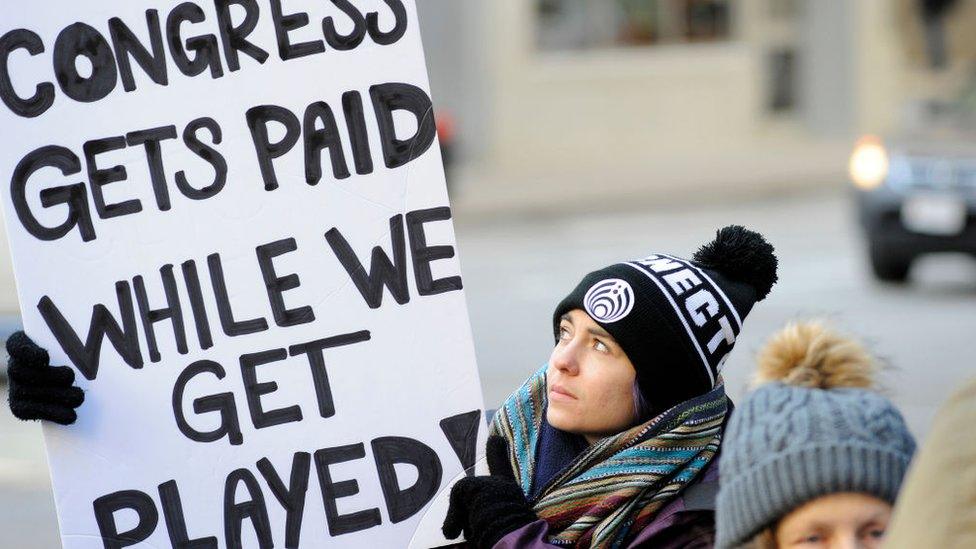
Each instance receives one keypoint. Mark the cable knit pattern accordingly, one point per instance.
(787, 445)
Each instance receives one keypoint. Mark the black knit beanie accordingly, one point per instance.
(677, 320)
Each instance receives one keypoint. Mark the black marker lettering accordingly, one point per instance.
(222, 403)
(462, 433)
(291, 497)
(382, 273)
(236, 513)
(344, 42)
(169, 497)
(99, 177)
(105, 508)
(318, 140)
(423, 255)
(284, 24)
(43, 97)
(231, 326)
(276, 285)
(333, 491)
(395, 96)
(399, 27)
(150, 139)
(172, 311)
(235, 38)
(352, 107)
(73, 196)
(258, 119)
(207, 54)
(316, 361)
(207, 153)
(405, 503)
(85, 356)
(200, 318)
(128, 45)
(79, 40)
(254, 390)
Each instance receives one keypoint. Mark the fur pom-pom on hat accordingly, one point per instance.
(809, 354)
(742, 255)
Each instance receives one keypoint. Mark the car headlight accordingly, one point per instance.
(868, 166)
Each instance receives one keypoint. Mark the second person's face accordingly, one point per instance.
(590, 380)
(837, 521)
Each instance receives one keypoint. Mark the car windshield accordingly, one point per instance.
(966, 105)
(957, 113)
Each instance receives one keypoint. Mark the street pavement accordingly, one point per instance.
(516, 269)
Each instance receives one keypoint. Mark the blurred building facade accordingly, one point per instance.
(561, 102)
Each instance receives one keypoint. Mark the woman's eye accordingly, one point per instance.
(876, 533)
(563, 333)
(813, 538)
(601, 346)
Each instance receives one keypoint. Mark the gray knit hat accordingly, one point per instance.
(789, 444)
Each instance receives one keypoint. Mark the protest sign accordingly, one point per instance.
(230, 218)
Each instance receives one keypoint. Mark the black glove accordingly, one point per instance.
(487, 508)
(38, 390)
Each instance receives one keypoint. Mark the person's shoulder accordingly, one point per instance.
(678, 527)
(701, 493)
(688, 520)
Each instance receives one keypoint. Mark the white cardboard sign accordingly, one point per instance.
(230, 217)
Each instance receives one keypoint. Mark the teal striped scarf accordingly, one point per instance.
(611, 491)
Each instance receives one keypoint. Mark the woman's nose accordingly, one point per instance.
(565, 357)
(849, 541)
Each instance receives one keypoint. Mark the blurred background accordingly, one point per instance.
(578, 133)
(583, 133)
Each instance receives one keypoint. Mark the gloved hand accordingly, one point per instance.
(487, 508)
(38, 390)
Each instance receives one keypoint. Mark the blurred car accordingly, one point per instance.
(916, 193)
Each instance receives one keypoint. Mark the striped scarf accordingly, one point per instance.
(611, 491)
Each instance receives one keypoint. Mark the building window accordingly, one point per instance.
(588, 24)
(783, 10)
(781, 84)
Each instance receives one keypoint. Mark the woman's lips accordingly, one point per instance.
(557, 392)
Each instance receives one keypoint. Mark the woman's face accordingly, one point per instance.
(590, 380)
(843, 520)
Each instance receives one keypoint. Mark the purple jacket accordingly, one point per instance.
(686, 522)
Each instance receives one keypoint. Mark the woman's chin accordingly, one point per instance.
(559, 418)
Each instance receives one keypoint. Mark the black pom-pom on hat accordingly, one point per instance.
(741, 255)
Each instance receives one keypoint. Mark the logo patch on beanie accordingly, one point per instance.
(609, 300)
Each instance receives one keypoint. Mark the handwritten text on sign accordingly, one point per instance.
(230, 218)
